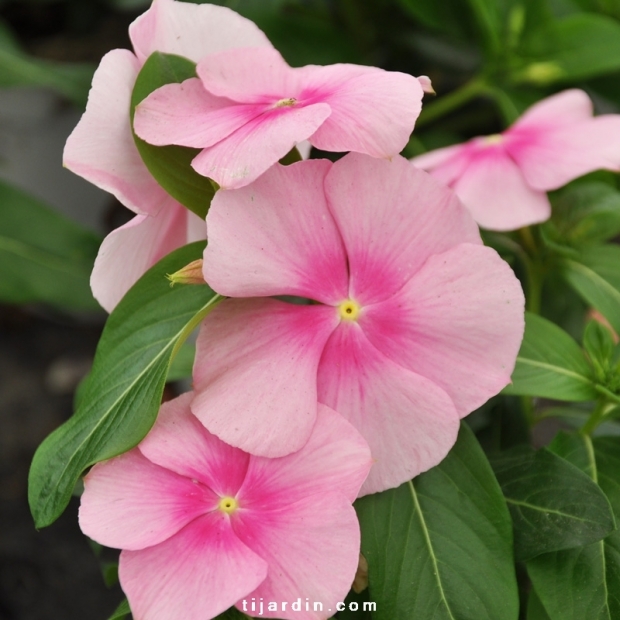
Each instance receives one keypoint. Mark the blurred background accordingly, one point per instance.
(488, 60)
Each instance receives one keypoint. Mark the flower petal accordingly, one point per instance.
(101, 148)
(255, 373)
(312, 549)
(198, 573)
(249, 75)
(191, 30)
(335, 458)
(180, 443)
(551, 158)
(561, 110)
(187, 115)
(373, 111)
(499, 198)
(247, 153)
(458, 322)
(409, 422)
(130, 503)
(446, 164)
(130, 250)
(277, 237)
(386, 245)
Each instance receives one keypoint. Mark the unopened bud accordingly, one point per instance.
(190, 274)
(541, 73)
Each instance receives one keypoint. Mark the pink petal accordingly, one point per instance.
(550, 158)
(312, 548)
(197, 574)
(255, 373)
(187, 115)
(335, 458)
(180, 443)
(251, 150)
(392, 217)
(446, 164)
(409, 422)
(560, 110)
(499, 198)
(130, 503)
(373, 111)
(277, 237)
(191, 30)
(129, 251)
(101, 148)
(458, 322)
(249, 75)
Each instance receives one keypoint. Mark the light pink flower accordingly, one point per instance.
(503, 179)
(417, 323)
(101, 148)
(248, 108)
(203, 525)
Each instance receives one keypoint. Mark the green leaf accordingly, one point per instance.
(71, 80)
(171, 165)
(551, 364)
(596, 277)
(183, 363)
(535, 609)
(553, 504)
(44, 257)
(585, 582)
(586, 213)
(440, 547)
(121, 612)
(599, 344)
(124, 389)
(580, 46)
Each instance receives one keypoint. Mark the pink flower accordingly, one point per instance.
(503, 179)
(101, 148)
(248, 108)
(417, 323)
(203, 525)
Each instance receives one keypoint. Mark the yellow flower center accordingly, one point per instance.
(349, 310)
(228, 505)
(495, 138)
(285, 102)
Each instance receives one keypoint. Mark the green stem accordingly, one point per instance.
(595, 418)
(452, 101)
(533, 268)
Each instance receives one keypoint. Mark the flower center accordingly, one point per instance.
(285, 102)
(495, 138)
(228, 505)
(349, 310)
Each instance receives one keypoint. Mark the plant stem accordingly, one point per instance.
(452, 101)
(595, 418)
(534, 269)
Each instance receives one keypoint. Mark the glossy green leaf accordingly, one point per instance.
(440, 547)
(121, 612)
(553, 504)
(123, 392)
(580, 46)
(17, 68)
(171, 165)
(596, 277)
(551, 364)
(584, 582)
(44, 257)
(182, 364)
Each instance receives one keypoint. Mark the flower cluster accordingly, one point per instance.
(364, 317)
